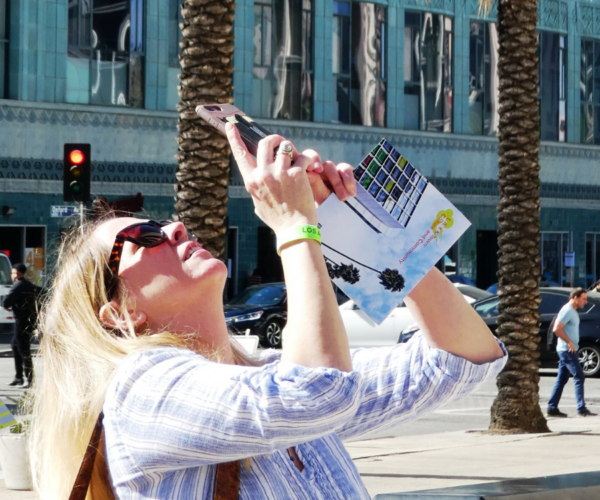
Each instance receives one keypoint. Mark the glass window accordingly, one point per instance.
(283, 59)
(260, 294)
(5, 270)
(175, 19)
(489, 308)
(358, 63)
(592, 258)
(428, 72)
(552, 57)
(551, 303)
(3, 49)
(552, 249)
(590, 92)
(483, 79)
(105, 52)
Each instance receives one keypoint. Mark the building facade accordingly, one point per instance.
(336, 76)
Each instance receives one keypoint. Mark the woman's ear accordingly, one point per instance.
(110, 315)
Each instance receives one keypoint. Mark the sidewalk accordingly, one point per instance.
(393, 465)
(6, 350)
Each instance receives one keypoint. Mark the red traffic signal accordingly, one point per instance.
(77, 172)
(76, 157)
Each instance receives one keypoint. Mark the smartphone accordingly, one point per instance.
(218, 115)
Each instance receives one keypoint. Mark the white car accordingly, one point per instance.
(363, 332)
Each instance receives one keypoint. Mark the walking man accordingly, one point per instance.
(21, 301)
(566, 328)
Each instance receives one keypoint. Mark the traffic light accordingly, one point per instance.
(76, 172)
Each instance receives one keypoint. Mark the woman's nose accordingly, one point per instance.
(176, 232)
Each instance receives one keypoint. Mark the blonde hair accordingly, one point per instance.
(79, 356)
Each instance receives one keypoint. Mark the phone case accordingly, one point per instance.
(218, 115)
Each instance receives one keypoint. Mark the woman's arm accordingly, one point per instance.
(448, 322)
(169, 408)
(314, 334)
(283, 197)
(401, 383)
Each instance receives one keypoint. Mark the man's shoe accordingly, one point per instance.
(586, 413)
(26, 385)
(16, 381)
(555, 413)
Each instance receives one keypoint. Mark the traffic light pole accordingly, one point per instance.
(81, 216)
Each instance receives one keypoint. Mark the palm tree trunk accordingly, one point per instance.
(516, 408)
(203, 156)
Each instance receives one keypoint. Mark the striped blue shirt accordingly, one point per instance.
(170, 415)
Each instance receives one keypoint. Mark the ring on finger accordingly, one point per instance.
(286, 149)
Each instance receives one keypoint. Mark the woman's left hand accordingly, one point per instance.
(326, 177)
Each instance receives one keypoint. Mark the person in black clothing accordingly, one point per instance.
(21, 301)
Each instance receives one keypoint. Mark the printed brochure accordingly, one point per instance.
(379, 244)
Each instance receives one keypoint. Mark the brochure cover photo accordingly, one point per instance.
(379, 244)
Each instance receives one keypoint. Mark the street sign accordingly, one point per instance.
(63, 210)
(569, 259)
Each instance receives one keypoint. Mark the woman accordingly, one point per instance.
(146, 342)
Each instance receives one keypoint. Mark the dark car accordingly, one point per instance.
(262, 309)
(552, 301)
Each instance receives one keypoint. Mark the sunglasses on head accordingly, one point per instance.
(146, 234)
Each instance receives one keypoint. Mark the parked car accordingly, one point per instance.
(263, 310)
(552, 301)
(362, 332)
(7, 322)
(260, 308)
(457, 278)
(543, 284)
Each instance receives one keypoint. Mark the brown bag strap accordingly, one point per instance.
(227, 478)
(84, 476)
(227, 481)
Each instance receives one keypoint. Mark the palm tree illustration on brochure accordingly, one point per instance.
(390, 279)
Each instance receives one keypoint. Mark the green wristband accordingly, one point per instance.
(298, 233)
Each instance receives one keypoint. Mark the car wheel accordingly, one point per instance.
(272, 332)
(589, 358)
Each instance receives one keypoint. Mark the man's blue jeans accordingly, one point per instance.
(568, 364)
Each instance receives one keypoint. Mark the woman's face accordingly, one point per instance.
(178, 272)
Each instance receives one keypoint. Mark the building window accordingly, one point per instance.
(553, 246)
(428, 72)
(175, 19)
(483, 79)
(553, 99)
(359, 63)
(590, 91)
(3, 49)
(592, 258)
(105, 52)
(283, 59)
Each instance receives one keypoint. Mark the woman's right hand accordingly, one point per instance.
(283, 197)
(280, 189)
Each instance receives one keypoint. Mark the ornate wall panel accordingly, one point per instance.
(86, 118)
(553, 14)
(588, 19)
(445, 6)
(22, 168)
(473, 9)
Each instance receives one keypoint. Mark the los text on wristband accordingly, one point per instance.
(297, 233)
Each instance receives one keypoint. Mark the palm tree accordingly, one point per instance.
(516, 408)
(203, 153)
(390, 279)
